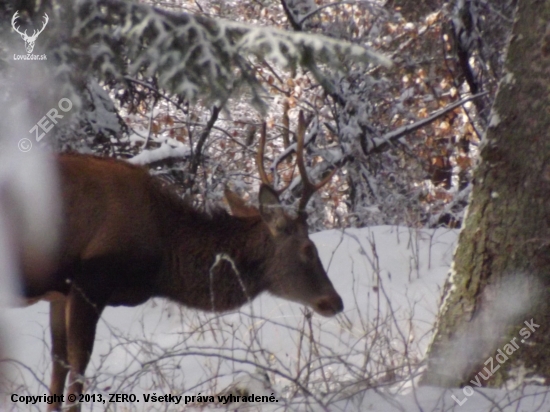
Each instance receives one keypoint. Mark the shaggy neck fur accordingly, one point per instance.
(211, 262)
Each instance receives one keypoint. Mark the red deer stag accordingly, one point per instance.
(127, 239)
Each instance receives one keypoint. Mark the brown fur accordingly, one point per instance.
(126, 239)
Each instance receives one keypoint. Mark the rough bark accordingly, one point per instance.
(501, 272)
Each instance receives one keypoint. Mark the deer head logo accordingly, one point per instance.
(29, 40)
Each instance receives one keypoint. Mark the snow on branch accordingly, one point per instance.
(193, 55)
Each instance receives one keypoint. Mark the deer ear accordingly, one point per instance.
(271, 210)
(238, 206)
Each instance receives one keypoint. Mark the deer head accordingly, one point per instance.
(295, 271)
(29, 40)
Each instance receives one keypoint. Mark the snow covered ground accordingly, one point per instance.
(390, 279)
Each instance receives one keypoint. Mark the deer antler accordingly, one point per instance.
(260, 156)
(35, 32)
(46, 20)
(13, 19)
(260, 162)
(308, 187)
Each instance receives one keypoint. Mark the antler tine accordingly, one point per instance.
(260, 162)
(260, 156)
(46, 20)
(308, 188)
(13, 20)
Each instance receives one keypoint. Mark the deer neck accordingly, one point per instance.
(215, 263)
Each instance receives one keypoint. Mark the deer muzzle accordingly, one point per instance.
(328, 305)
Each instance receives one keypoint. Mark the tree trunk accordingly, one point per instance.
(500, 277)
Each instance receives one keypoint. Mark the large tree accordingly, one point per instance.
(497, 295)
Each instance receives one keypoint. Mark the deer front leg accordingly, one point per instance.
(59, 350)
(82, 314)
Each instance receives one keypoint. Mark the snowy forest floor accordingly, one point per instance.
(367, 359)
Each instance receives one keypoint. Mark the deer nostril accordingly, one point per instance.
(329, 305)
